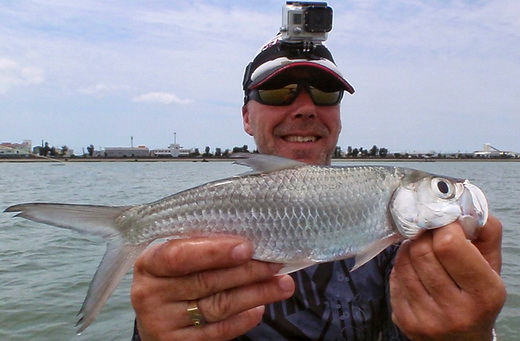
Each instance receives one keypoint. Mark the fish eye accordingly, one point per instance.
(443, 188)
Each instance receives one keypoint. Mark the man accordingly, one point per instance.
(438, 287)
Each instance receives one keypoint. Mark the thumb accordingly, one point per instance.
(489, 243)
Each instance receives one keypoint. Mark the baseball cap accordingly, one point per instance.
(276, 57)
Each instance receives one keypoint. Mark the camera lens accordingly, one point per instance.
(318, 19)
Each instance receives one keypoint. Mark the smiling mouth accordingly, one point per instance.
(300, 139)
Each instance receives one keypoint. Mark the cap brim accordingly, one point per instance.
(272, 68)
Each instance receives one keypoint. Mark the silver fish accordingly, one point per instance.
(294, 213)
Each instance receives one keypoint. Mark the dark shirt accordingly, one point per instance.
(332, 303)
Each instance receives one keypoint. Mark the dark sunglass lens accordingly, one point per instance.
(321, 97)
(283, 96)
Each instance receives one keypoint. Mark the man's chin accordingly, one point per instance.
(314, 156)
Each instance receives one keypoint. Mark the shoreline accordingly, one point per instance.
(81, 159)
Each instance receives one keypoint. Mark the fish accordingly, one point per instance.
(293, 213)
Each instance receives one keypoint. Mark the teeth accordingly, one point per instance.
(301, 138)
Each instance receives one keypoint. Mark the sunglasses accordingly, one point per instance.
(287, 95)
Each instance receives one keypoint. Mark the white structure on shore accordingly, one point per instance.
(16, 149)
(173, 150)
(490, 151)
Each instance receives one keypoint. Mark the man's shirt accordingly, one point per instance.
(332, 303)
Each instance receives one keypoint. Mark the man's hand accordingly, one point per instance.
(230, 289)
(444, 287)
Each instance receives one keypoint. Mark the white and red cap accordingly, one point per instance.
(276, 57)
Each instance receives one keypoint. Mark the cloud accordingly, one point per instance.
(12, 75)
(161, 97)
(101, 89)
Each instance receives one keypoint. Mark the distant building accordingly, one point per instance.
(173, 150)
(491, 152)
(8, 149)
(116, 152)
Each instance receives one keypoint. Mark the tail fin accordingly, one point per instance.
(97, 220)
(90, 219)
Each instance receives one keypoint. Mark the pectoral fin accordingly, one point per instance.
(293, 267)
(374, 249)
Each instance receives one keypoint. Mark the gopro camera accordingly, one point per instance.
(306, 22)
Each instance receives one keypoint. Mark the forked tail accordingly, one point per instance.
(96, 220)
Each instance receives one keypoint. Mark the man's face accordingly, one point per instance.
(301, 130)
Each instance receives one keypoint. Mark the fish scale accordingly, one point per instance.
(324, 204)
(293, 213)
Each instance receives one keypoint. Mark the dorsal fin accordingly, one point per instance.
(263, 163)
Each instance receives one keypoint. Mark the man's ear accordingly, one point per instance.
(245, 119)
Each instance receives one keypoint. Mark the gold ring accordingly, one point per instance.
(196, 317)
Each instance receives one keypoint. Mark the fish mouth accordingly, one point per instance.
(474, 210)
(300, 138)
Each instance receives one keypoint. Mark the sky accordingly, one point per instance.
(429, 75)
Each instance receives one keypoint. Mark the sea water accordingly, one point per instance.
(45, 271)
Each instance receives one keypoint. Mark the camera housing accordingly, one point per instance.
(305, 22)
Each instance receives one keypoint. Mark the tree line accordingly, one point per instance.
(351, 152)
(361, 152)
(48, 151)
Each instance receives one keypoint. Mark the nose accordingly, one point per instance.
(305, 107)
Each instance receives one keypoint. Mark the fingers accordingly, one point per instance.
(442, 283)
(230, 313)
(405, 288)
(205, 283)
(430, 272)
(463, 261)
(489, 243)
(200, 277)
(224, 330)
(218, 274)
(225, 304)
(176, 258)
